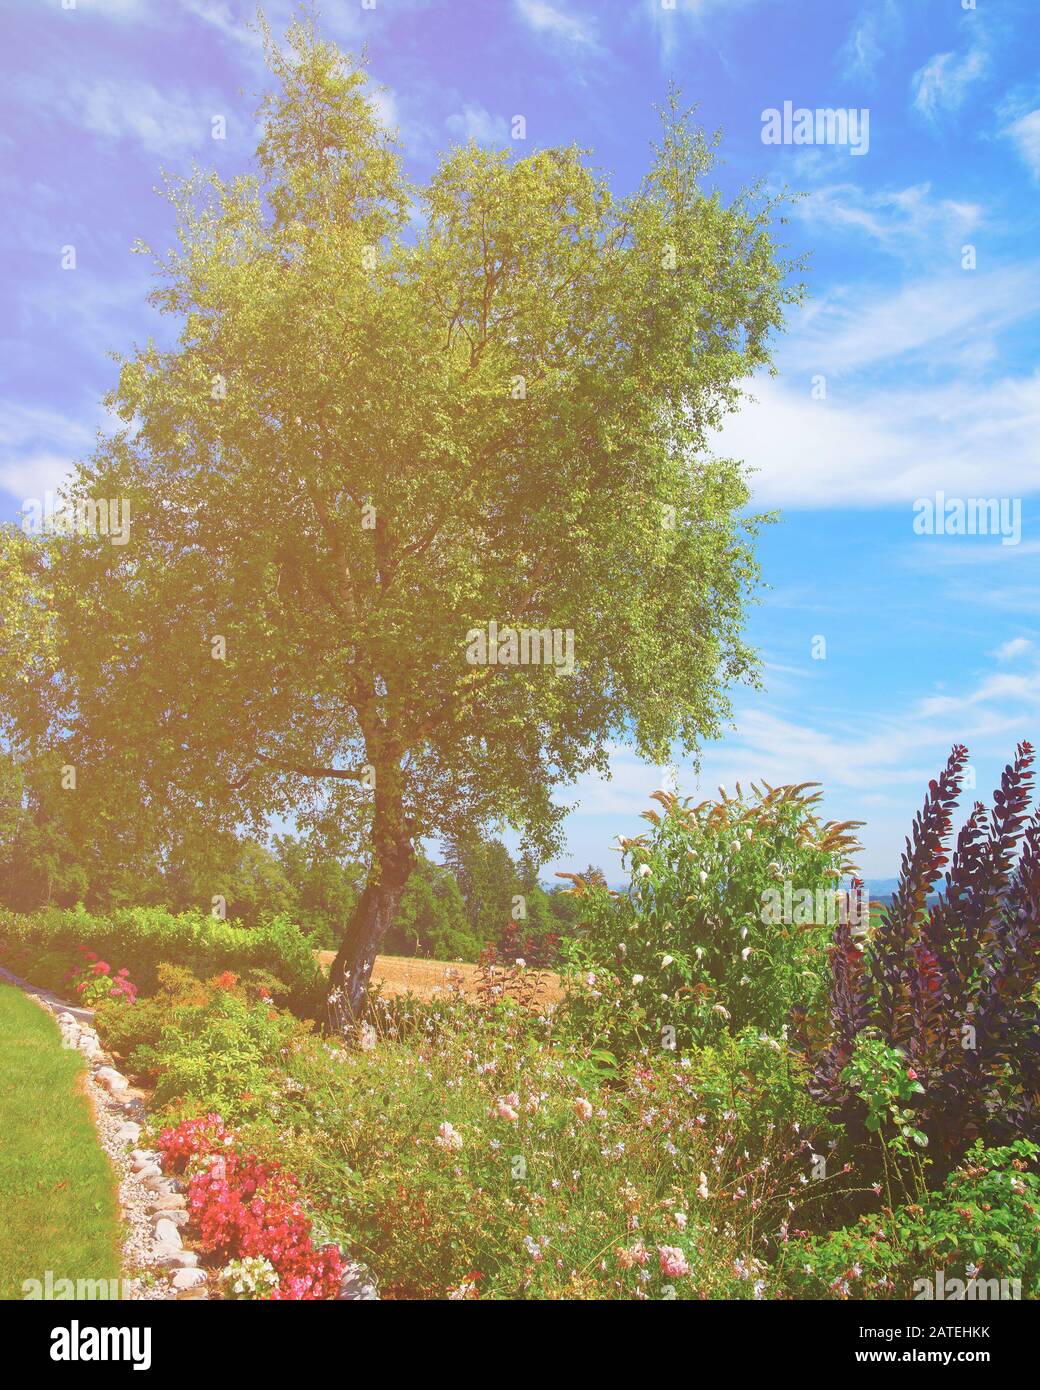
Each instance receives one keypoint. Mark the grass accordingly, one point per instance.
(58, 1205)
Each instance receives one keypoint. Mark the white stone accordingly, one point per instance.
(112, 1080)
(177, 1215)
(165, 1202)
(174, 1258)
(166, 1233)
(188, 1278)
(128, 1132)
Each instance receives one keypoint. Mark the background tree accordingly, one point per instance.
(394, 414)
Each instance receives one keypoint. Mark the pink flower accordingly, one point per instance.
(911, 1074)
(582, 1109)
(448, 1137)
(505, 1110)
(673, 1261)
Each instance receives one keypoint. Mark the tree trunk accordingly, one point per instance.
(393, 859)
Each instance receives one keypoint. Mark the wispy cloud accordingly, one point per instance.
(880, 446)
(875, 29)
(1025, 132)
(475, 123)
(942, 85)
(164, 122)
(853, 329)
(564, 26)
(686, 20)
(38, 447)
(1012, 650)
(897, 220)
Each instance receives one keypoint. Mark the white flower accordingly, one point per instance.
(643, 871)
(703, 876)
(702, 1188)
(667, 960)
(637, 979)
(745, 953)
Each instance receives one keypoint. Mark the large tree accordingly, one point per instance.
(395, 414)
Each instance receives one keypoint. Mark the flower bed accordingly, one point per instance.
(247, 1213)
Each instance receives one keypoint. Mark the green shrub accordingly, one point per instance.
(42, 946)
(695, 946)
(223, 1054)
(984, 1224)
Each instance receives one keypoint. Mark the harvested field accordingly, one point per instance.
(426, 978)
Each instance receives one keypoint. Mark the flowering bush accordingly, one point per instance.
(478, 1154)
(92, 980)
(695, 945)
(219, 1051)
(193, 1139)
(246, 1208)
(952, 987)
(983, 1225)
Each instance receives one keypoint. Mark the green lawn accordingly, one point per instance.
(58, 1206)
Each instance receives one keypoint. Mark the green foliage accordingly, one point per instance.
(43, 945)
(694, 946)
(985, 1219)
(469, 1140)
(887, 1086)
(431, 919)
(503, 416)
(224, 1054)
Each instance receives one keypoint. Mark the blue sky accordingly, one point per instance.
(931, 370)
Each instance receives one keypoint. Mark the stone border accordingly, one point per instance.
(152, 1205)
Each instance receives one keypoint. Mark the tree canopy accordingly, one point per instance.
(397, 416)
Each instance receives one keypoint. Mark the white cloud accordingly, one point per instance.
(897, 219)
(475, 123)
(564, 26)
(875, 28)
(1012, 650)
(38, 448)
(1026, 134)
(878, 446)
(163, 122)
(686, 20)
(943, 83)
(954, 318)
